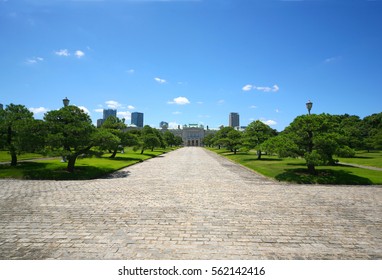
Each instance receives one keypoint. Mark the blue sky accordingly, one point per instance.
(190, 61)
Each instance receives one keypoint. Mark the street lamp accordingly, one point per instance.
(309, 105)
(65, 101)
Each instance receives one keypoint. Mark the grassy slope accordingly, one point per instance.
(294, 170)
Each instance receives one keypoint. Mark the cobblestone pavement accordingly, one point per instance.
(188, 204)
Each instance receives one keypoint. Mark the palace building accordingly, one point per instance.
(192, 134)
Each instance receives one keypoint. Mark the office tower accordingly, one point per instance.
(234, 120)
(137, 119)
(108, 113)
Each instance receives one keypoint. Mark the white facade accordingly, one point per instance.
(192, 134)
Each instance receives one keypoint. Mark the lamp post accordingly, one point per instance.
(65, 101)
(309, 105)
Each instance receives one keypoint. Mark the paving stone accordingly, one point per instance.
(188, 204)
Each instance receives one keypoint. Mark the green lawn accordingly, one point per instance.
(87, 168)
(373, 158)
(294, 170)
(6, 157)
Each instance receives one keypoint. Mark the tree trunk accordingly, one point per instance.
(71, 163)
(142, 151)
(114, 153)
(259, 154)
(14, 158)
(312, 169)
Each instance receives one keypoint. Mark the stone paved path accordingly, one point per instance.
(188, 204)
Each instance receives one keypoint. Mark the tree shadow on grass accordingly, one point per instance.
(126, 159)
(45, 171)
(324, 176)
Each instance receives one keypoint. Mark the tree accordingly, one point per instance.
(105, 139)
(148, 139)
(70, 130)
(351, 131)
(178, 141)
(169, 138)
(281, 145)
(208, 140)
(255, 134)
(116, 127)
(234, 140)
(372, 128)
(220, 137)
(19, 131)
(316, 137)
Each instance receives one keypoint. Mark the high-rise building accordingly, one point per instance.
(1, 107)
(234, 120)
(137, 119)
(108, 113)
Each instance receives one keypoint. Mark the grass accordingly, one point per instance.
(373, 158)
(6, 157)
(87, 168)
(295, 171)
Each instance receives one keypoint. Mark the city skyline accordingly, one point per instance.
(186, 61)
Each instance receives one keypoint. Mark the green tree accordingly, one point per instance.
(255, 134)
(208, 140)
(372, 128)
(350, 129)
(220, 137)
(281, 145)
(116, 127)
(148, 139)
(234, 140)
(71, 132)
(178, 141)
(19, 131)
(316, 137)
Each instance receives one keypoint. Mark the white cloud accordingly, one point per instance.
(160, 81)
(63, 52)
(130, 71)
(253, 107)
(274, 88)
(269, 122)
(34, 60)
(332, 59)
(247, 87)
(180, 101)
(113, 104)
(126, 115)
(176, 113)
(98, 110)
(79, 53)
(221, 101)
(84, 109)
(130, 107)
(39, 110)
(173, 125)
